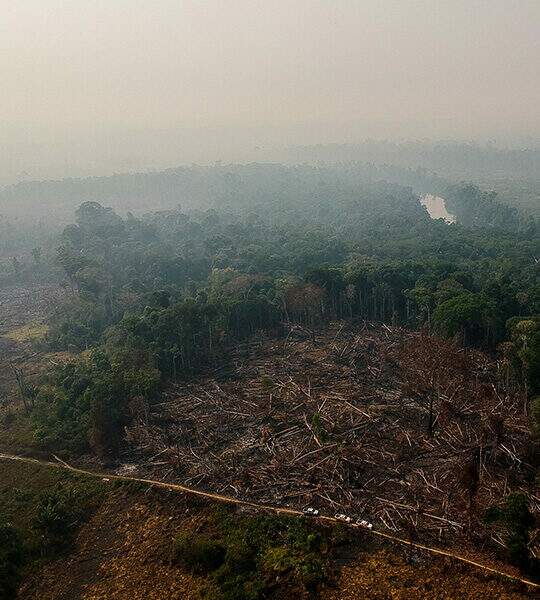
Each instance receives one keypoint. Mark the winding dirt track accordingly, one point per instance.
(60, 464)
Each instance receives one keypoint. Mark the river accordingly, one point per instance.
(436, 208)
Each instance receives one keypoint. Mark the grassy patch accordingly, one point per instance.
(41, 510)
(16, 430)
(24, 486)
(33, 332)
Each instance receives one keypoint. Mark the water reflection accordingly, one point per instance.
(436, 208)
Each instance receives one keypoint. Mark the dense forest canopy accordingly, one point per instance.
(31, 211)
(270, 243)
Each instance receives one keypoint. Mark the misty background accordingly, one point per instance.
(95, 87)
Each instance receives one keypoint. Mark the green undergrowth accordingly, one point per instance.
(41, 510)
(253, 557)
(16, 433)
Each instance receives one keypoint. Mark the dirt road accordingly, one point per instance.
(60, 464)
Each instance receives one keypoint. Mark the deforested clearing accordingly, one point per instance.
(409, 431)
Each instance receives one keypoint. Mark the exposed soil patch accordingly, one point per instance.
(125, 551)
(121, 553)
(383, 575)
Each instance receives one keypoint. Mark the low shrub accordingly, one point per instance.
(199, 553)
(277, 561)
(516, 517)
(61, 511)
(311, 571)
(11, 560)
(248, 558)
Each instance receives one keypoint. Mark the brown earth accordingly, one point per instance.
(123, 554)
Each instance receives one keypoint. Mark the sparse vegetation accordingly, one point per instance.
(199, 553)
(251, 557)
(41, 511)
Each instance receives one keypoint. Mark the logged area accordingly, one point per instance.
(378, 422)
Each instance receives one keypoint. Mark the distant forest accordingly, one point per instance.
(32, 210)
(454, 160)
(513, 173)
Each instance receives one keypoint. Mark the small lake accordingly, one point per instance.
(436, 208)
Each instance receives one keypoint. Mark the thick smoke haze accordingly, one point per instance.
(94, 86)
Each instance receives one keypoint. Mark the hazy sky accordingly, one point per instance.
(94, 86)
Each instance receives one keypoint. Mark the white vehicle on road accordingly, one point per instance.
(342, 517)
(364, 523)
(311, 512)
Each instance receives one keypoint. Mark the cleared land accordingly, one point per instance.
(23, 312)
(408, 431)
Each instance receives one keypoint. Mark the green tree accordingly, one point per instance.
(473, 316)
(525, 338)
(519, 522)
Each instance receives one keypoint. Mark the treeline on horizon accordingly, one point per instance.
(32, 213)
(156, 297)
(457, 160)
